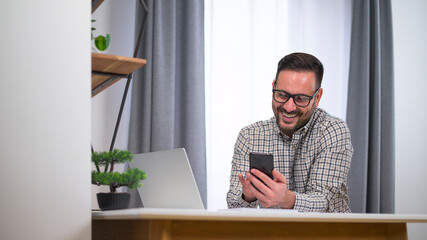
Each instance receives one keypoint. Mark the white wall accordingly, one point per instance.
(118, 19)
(45, 120)
(410, 38)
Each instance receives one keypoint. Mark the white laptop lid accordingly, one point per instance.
(170, 181)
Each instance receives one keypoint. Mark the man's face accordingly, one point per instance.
(289, 116)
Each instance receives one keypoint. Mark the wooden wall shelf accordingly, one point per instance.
(108, 69)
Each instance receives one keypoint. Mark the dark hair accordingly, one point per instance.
(301, 62)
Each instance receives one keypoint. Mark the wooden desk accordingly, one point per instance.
(168, 224)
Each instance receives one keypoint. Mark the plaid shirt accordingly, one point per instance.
(315, 161)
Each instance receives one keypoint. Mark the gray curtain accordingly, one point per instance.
(370, 109)
(168, 93)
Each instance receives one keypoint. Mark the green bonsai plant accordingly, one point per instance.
(101, 42)
(105, 175)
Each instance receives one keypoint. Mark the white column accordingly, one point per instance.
(409, 21)
(45, 120)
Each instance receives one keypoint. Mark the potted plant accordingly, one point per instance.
(101, 42)
(105, 175)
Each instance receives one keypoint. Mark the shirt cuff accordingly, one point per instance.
(300, 202)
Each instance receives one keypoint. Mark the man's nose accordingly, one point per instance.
(289, 106)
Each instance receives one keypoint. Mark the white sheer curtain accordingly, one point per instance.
(244, 40)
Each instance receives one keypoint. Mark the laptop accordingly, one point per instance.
(170, 181)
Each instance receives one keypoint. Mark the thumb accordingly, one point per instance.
(278, 176)
(241, 179)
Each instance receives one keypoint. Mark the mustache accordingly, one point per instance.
(292, 112)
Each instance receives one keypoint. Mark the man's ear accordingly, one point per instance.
(272, 84)
(318, 97)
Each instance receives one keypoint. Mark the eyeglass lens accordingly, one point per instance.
(299, 100)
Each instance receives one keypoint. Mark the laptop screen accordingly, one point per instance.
(170, 181)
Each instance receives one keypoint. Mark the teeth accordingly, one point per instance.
(289, 115)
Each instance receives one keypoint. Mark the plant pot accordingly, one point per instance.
(112, 201)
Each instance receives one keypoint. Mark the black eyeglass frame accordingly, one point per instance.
(293, 96)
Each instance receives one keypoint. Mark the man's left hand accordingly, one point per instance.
(274, 192)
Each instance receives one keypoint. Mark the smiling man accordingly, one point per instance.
(312, 150)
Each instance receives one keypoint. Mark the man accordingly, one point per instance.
(312, 150)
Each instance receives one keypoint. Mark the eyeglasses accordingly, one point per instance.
(300, 100)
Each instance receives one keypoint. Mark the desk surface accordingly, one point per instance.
(251, 215)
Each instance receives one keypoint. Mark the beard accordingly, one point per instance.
(301, 121)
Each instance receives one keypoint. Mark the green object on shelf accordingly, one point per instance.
(101, 42)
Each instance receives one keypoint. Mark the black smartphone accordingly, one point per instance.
(263, 162)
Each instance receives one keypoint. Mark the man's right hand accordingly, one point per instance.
(247, 188)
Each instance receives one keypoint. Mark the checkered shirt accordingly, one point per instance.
(315, 161)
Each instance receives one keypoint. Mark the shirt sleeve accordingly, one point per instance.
(326, 190)
(239, 164)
